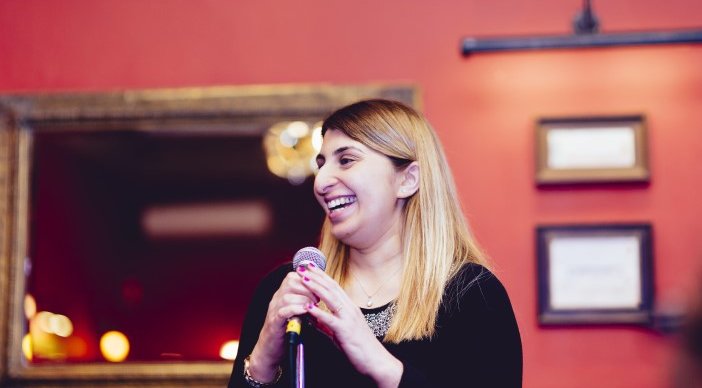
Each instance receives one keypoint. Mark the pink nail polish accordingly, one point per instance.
(306, 279)
(310, 306)
(301, 268)
(311, 264)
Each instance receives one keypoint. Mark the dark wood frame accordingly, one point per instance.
(145, 110)
(549, 315)
(637, 173)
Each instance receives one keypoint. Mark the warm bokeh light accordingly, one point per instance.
(48, 336)
(289, 149)
(60, 325)
(30, 306)
(229, 350)
(114, 346)
(317, 137)
(27, 346)
(42, 321)
(45, 345)
(51, 323)
(203, 219)
(298, 129)
(76, 347)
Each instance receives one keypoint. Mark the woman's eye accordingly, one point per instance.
(345, 161)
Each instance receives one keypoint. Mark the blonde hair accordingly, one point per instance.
(436, 238)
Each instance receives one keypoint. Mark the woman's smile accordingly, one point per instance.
(339, 207)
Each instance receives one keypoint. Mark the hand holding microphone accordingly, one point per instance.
(288, 303)
(346, 325)
(343, 321)
(303, 257)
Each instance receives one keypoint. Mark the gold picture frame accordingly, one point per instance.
(597, 149)
(211, 108)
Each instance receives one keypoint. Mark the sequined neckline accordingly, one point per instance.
(380, 318)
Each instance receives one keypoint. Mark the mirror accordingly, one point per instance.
(136, 225)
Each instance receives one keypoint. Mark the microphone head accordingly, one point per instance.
(310, 255)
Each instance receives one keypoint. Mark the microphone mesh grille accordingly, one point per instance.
(310, 254)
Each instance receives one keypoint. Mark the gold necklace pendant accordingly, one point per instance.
(369, 303)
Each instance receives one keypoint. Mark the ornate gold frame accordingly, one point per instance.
(22, 115)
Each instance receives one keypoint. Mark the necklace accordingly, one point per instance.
(369, 303)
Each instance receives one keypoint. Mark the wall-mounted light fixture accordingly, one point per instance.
(585, 28)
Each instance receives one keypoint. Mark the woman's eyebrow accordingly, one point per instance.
(345, 148)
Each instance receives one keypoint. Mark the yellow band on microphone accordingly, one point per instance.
(294, 326)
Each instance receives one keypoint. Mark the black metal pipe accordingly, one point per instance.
(478, 45)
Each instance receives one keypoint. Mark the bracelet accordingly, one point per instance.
(255, 383)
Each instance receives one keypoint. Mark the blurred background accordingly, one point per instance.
(110, 267)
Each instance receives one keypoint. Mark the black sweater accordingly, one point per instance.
(476, 343)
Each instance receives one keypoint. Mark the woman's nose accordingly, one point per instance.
(324, 180)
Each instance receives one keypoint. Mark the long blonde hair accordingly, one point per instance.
(436, 238)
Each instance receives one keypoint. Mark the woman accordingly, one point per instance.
(406, 299)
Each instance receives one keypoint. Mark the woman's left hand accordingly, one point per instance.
(347, 327)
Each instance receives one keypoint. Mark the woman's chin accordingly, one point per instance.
(342, 232)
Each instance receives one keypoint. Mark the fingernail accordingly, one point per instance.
(310, 306)
(301, 268)
(311, 264)
(306, 279)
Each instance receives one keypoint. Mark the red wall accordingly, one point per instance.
(483, 107)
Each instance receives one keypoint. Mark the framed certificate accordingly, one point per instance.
(595, 274)
(591, 149)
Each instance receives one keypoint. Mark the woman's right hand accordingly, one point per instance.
(288, 301)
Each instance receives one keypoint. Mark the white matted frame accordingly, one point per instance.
(595, 274)
(591, 150)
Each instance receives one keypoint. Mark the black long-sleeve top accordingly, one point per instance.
(476, 343)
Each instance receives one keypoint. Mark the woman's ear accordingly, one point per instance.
(409, 181)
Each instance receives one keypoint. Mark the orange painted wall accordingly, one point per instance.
(483, 107)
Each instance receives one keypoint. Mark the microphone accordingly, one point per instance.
(304, 256)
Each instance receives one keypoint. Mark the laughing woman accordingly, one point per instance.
(407, 299)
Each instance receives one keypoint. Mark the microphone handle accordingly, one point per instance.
(292, 362)
(292, 334)
(293, 330)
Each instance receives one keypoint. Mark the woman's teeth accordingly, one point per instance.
(340, 202)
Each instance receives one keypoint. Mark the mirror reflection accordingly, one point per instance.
(146, 245)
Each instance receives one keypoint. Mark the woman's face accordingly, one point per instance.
(358, 189)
